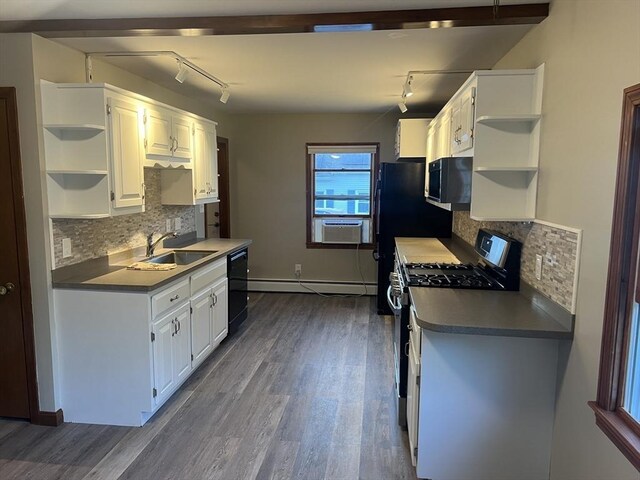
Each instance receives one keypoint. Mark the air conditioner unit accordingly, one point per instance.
(342, 231)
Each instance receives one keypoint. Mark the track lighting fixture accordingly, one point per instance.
(182, 72)
(407, 91)
(184, 66)
(403, 106)
(225, 95)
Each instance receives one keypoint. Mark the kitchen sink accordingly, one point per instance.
(180, 257)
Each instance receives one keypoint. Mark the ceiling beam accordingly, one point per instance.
(526, 14)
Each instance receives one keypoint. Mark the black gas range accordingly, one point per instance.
(497, 268)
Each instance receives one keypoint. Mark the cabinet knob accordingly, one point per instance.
(7, 289)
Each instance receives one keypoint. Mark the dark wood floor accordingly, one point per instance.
(303, 391)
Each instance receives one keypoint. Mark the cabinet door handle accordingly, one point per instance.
(173, 323)
(173, 299)
(176, 145)
(179, 326)
(406, 349)
(215, 299)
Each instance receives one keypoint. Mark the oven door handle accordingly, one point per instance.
(392, 304)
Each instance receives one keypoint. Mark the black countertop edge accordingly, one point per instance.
(76, 277)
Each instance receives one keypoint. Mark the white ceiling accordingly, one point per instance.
(328, 72)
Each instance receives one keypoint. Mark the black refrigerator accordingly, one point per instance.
(402, 211)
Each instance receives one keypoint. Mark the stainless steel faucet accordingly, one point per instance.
(151, 245)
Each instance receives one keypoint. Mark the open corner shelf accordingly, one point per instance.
(79, 215)
(492, 119)
(74, 127)
(77, 172)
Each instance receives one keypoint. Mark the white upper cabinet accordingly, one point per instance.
(495, 118)
(159, 140)
(411, 136)
(93, 151)
(199, 185)
(98, 139)
(126, 152)
(462, 121)
(168, 138)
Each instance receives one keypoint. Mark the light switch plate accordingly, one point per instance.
(178, 223)
(66, 247)
(201, 208)
(538, 267)
(168, 224)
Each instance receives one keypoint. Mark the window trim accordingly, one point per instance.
(310, 197)
(611, 418)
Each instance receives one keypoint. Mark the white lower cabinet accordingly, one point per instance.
(201, 326)
(413, 402)
(123, 354)
(209, 320)
(220, 311)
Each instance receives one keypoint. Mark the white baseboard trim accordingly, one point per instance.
(292, 286)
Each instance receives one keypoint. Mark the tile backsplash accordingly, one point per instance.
(99, 237)
(559, 248)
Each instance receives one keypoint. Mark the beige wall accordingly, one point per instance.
(592, 52)
(268, 190)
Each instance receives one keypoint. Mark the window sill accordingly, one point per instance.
(346, 246)
(619, 432)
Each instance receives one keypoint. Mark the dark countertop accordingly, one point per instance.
(113, 275)
(526, 313)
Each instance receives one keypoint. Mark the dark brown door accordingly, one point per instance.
(15, 311)
(217, 217)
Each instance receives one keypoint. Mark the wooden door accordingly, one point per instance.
(201, 326)
(220, 311)
(18, 393)
(182, 131)
(223, 187)
(127, 158)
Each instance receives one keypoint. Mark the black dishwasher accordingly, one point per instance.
(237, 268)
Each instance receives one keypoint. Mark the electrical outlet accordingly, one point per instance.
(177, 223)
(168, 225)
(66, 247)
(538, 267)
(297, 269)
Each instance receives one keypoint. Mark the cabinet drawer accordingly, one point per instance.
(205, 277)
(169, 298)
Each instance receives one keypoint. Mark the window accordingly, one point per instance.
(340, 186)
(617, 407)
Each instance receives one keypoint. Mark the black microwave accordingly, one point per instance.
(450, 181)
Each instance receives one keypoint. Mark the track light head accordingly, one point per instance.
(225, 95)
(182, 72)
(407, 91)
(403, 107)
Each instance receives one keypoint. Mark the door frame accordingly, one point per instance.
(223, 191)
(37, 416)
